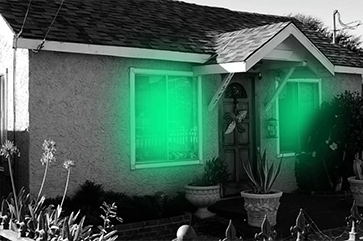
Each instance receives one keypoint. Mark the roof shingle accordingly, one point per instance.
(157, 24)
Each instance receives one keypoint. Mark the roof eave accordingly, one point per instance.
(118, 51)
(348, 70)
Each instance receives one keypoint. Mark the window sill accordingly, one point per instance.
(286, 155)
(165, 164)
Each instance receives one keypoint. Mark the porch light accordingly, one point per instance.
(272, 128)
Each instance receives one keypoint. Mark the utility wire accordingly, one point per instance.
(41, 45)
(24, 21)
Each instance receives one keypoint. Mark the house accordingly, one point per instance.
(135, 91)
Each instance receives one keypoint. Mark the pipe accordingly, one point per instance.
(15, 47)
(334, 26)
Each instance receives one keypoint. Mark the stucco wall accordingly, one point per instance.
(331, 86)
(82, 102)
(20, 123)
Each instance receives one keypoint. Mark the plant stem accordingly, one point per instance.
(14, 191)
(65, 189)
(44, 176)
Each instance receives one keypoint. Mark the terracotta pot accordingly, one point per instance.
(356, 187)
(258, 205)
(202, 197)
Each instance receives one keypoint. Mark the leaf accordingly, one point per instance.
(275, 175)
(230, 128)
(241, 116)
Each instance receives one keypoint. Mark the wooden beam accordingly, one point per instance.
(284, 65)
(279, 88)
(220, 91)
(279, 54)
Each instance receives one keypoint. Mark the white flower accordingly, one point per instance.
(333, 146)
(8, 149)
(67, 164)
(48, 152)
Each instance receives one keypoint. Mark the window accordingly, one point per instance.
(296, 105)
(165, 118)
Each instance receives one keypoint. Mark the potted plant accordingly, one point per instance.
(204, 190)
(261, 200)
(356, 182)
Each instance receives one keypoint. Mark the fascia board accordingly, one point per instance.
(127, 52)
(348, 70)
(223, 68)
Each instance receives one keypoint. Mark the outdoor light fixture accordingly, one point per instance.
(272, 128)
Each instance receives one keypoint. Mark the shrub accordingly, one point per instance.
(334, 138)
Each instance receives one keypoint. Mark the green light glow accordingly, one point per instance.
(166, 118)
(297, 104)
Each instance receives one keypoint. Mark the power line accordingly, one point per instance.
(41, 45)
(26, 16)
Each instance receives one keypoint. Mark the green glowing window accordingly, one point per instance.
(165, 121)
(296, 106)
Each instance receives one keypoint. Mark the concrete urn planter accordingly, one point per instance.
(257, 205)
(356, 187)
(202, 197)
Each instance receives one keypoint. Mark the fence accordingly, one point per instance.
(300, 231)
(179, 143)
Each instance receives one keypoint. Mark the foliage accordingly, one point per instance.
(130, 208)
(343, 38)
(33, 219)
(334, 140)
(87, 199)
(261, 173)
(215, 172)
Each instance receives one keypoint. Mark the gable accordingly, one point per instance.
(240, 51)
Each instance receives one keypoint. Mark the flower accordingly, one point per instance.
(8, 149)
(333, 146)
(67, 164)
(49, 150)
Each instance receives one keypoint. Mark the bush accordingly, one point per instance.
(334, 137)
(130, 208)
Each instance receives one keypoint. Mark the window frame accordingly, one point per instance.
(299, 80)
(163, 163)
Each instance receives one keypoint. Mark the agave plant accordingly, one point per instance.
(262, 173)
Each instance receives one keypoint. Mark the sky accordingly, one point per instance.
(350, 10)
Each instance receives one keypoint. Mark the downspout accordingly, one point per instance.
(15, 47)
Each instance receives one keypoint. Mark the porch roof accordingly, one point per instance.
(239, 45)
(161, 25)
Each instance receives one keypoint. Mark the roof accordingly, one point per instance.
(239, 45)
(154, 24)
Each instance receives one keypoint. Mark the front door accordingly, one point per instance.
(238, 144)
